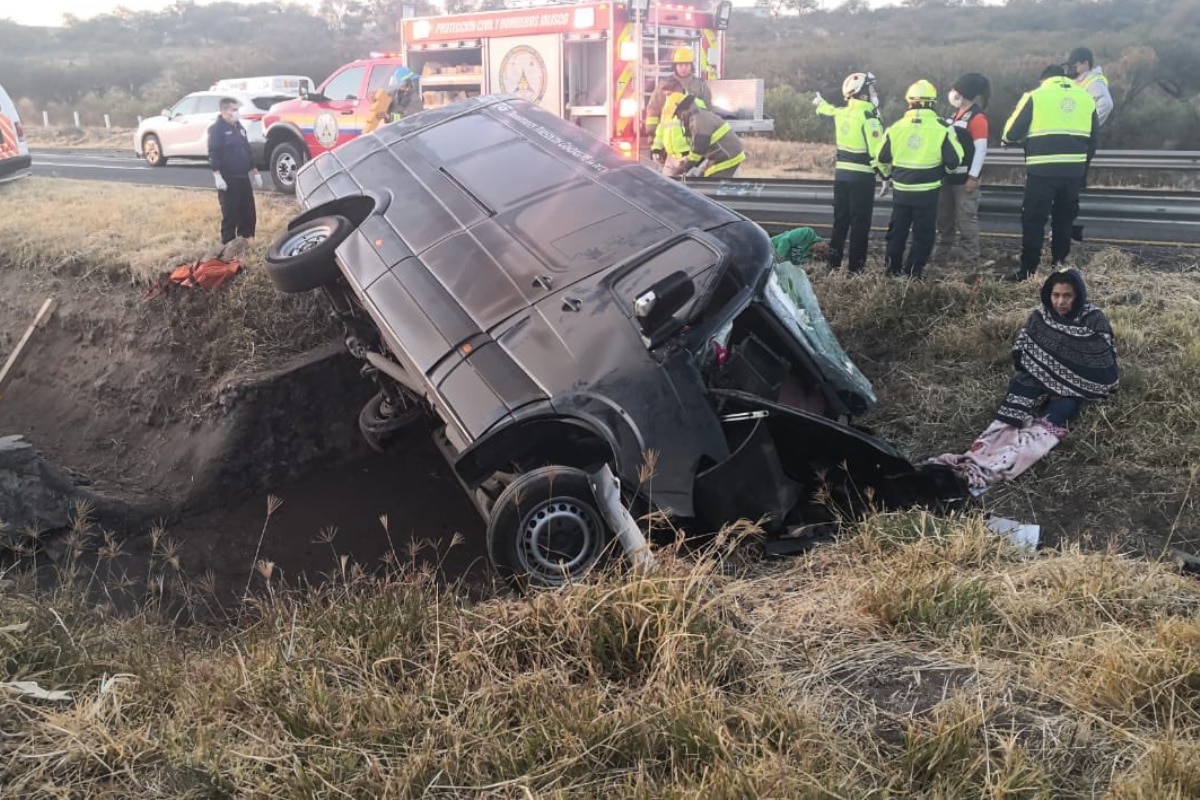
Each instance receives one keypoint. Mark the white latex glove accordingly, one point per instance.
(885, 187)
(221, 185)
(695, 172)
(817, 99)
(257, 178)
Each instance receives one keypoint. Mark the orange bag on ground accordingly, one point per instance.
(211, 273)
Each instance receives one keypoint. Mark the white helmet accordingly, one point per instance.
(855, 83)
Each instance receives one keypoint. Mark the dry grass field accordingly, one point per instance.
(916, 657)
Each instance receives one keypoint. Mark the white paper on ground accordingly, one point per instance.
(1018, 533)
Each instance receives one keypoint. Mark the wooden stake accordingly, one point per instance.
(14, 359)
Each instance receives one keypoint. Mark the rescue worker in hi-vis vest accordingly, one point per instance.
(1057, 124)
(859, 136)
(715, 150)
(918, 152)
(671, 147)
(1081, 65)
(682, 80)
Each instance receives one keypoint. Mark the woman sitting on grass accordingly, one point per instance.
(1064, 357)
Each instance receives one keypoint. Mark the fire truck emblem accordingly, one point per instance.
(523, 73)
(325, 129)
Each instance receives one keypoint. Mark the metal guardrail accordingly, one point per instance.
(1183, 160)
(1148, 215)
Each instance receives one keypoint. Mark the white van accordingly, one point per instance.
(294, 85)
(14, 153)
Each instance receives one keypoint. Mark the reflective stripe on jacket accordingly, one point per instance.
(1057, 123)
(712, 141)
(919, 150)
(859, 137)
(668, 86)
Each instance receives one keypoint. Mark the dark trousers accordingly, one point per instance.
(916, 211)
(1056, 199)
(853, 203)
(1061, 410)
(238, 215)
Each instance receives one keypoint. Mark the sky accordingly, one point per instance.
(50, 12)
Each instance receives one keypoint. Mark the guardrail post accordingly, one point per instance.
(45, 119)
(107, 121)
(77, 125)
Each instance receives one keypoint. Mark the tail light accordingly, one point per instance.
(625, 148)
(628, 107)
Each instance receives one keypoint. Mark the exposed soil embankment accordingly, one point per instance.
(115, 397)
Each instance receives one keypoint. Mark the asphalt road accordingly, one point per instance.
(122, 167)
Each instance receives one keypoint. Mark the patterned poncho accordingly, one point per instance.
(1059, 357)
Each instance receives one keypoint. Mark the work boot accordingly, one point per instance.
(1017, 277)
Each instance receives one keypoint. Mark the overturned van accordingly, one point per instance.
(554, 309)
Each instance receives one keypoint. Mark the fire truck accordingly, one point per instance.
(593, 63)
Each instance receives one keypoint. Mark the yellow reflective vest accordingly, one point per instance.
(918, 151)
(859, 138)
(1057, 123)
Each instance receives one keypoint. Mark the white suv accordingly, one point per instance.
(182, 130)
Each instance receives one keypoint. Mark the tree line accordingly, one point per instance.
(130, 64)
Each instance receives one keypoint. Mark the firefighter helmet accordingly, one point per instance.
(401, 76)
(682, 55)
(855, 83)
(671, 103)
(921, 92)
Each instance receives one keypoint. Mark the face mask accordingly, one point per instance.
(233, 115)
(955, 99)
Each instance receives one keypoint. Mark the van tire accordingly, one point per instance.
(546, 529)
(302, 258)
(152, 151)
(286, 159)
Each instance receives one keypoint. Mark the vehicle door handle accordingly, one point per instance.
(543, 282)
(572, 304)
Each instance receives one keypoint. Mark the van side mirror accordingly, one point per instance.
(657, 306)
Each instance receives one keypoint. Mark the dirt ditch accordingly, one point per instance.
(120, 419)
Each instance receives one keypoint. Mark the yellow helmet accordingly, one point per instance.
(682, 55)
(670, 104)
(921, 92)
(855, 83)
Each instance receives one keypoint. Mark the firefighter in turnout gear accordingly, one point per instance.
(715, 150)
(671, 147)
(918, 152)
(1057, 124)
(859, 138)
(682, 80)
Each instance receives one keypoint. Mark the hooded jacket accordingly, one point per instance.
(1097, 86)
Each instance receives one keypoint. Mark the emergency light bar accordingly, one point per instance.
(724, 9)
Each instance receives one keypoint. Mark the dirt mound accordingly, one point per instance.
(111, 389)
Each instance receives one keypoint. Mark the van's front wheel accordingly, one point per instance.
(546, 528)
(301, 259)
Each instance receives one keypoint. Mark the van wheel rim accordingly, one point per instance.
(305, 240)
(558, 539)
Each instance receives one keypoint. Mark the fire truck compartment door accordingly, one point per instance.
(529, 67)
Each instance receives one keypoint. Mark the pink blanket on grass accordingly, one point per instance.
(1002, 452)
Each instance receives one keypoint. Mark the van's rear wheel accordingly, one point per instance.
(381, 419)
(546, 528)
(301, 259)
